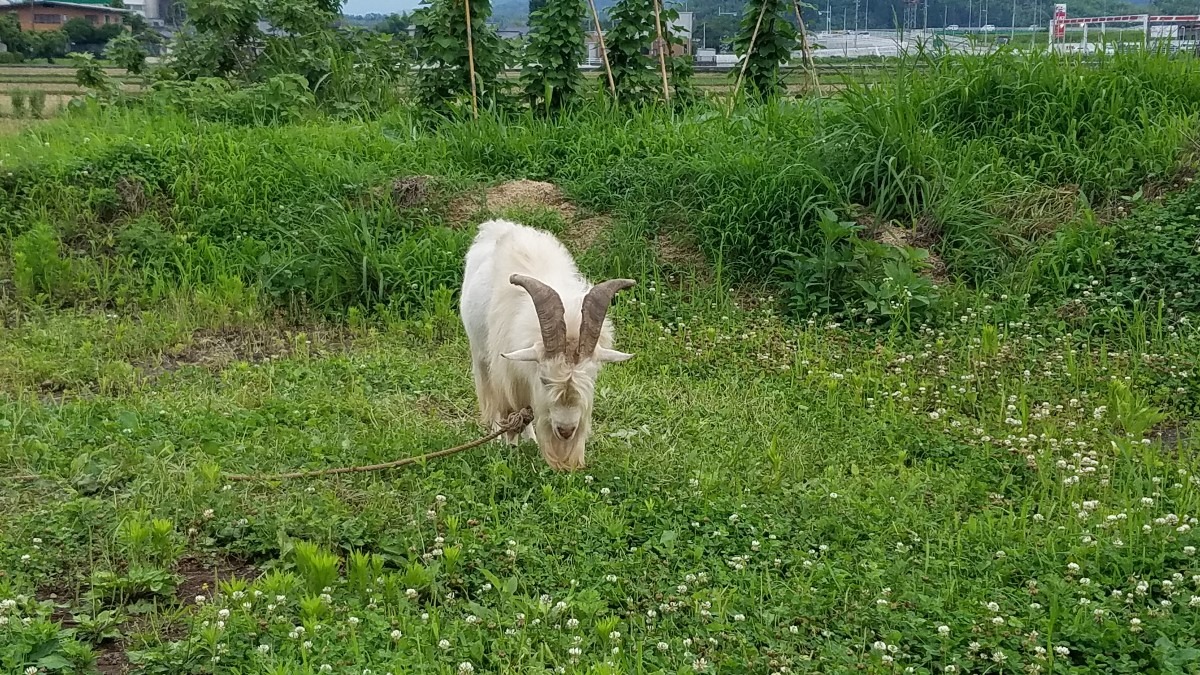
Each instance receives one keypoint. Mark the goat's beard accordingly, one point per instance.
(559, 454)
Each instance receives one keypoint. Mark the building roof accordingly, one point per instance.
(83, 4)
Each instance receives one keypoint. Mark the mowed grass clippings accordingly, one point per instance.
(1003, 482)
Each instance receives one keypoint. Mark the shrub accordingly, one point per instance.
(18, 98)
(37, 103)
(127, 52)
(842, 273)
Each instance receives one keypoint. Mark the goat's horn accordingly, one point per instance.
(595, 308)
(549, 308)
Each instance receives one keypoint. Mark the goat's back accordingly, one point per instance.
(499, 316)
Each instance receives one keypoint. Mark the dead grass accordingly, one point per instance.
(923, 236)
(219, 348)
(1042, 211)
(585, 233)
(12, 127)
(514, 194)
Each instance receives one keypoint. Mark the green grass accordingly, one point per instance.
(818, 459)
(830, 491)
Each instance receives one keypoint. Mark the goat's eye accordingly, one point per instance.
(545, 381)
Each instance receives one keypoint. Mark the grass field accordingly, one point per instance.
(914, 387)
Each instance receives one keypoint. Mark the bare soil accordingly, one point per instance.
(218, 348)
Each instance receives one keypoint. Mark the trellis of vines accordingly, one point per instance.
(629, 43)
(448, 59)
(552, 79)
(764, 43)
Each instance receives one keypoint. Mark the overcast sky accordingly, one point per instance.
(361, 7)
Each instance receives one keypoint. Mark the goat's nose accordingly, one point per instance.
(564, 433)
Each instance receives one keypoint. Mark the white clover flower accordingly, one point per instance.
(443, 644)
(943, 630)
(465, 668)
(879, 646)
(662, 646)
(396, 635)
(263, 649)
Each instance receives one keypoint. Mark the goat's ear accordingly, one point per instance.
(527, 354)
(603, 355)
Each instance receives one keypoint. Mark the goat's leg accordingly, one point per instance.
(492, 408)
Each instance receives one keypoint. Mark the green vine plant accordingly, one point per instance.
(443, 82)
(629, 42)
(552, 79)
(772, 47)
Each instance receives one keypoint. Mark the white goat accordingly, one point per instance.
(544, 354)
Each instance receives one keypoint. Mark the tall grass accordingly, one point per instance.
(961, 148)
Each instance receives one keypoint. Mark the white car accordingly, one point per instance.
(952, 26)
(989, 28)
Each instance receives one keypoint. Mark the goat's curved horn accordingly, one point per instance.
(595, 308)
(549, 308)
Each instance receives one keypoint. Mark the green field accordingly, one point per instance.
(914, 387)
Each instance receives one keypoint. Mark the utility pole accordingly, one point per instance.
(1012, 27)
(855, 23)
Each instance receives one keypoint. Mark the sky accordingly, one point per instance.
(361, 7)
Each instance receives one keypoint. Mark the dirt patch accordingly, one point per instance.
(1172, 435)
(132, 194)
(923, 236)
(513, 194)
(218, 348)
(410, 191)
(201, 576)
(584, 234)
(672, 248)
(111, 659)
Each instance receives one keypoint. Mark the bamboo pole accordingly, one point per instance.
(804, 47)
(471, 60)
(662, 48)
(737, 85)
(612, 85)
